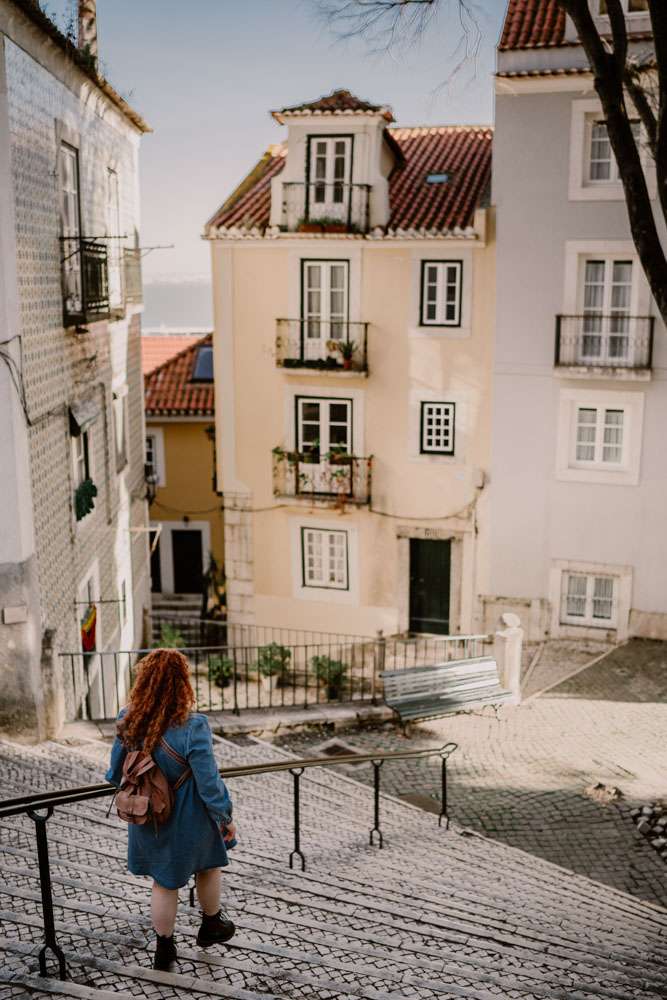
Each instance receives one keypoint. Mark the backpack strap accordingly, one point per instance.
(175, 755)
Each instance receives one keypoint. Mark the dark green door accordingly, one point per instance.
(430, 565)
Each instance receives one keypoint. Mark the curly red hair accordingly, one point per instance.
(161, 697)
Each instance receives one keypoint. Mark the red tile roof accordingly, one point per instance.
(170, 392)
(336, 103)
(158, 348)
(461, 151)
(531, 24)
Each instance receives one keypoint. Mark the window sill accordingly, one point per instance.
(598, 476)
(440, 332)
(603, 373)
(309, 372)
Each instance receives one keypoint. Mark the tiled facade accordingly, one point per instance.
(47, 100)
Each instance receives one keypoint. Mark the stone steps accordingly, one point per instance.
(435, 914)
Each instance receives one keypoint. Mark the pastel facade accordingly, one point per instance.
(180, 450)
(71, 415)
(578, 542)
(353, 476)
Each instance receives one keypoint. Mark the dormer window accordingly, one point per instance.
(203, 366)
(329, 176)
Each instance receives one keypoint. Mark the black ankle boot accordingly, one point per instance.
(215, 930)
(165, 953)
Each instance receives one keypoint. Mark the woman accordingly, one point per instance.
(195, 838)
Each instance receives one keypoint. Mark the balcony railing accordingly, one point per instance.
(330, 345)
(595, 340)
(327, 476)
(85, 274)
(320, 207)
(132, 275)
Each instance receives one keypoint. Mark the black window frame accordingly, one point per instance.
(422, 299)
(422, 410)
(337, 531)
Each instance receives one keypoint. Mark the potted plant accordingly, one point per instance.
(346, 349)
(220, 670)
(84, 498)
(332, 672)
(274, 661)
(170, 637)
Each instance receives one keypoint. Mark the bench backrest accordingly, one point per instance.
(440, 678)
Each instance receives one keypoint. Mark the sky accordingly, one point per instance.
(205, 73)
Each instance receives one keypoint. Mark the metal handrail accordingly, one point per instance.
(31, 805)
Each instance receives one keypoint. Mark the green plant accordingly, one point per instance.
(274, 661)
(346, 349)
(84, 498)
(332, 672)
(220, 670)
(170, 637)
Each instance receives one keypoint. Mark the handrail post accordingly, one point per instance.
(296, 773)
(379, 658)
(377, 764)
(443, 800)
(50, 942)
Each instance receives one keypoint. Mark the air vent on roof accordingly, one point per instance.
(438, 178)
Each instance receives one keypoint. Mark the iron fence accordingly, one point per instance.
(606, 341)
(325, 344)
(314, 206)
(332, 475)
(273, 675)
(85, 276)
(39, 807)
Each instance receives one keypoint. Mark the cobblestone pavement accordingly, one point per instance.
(521, 777)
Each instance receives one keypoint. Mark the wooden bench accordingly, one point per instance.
(420, 693)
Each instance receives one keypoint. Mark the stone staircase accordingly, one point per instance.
(435, 914)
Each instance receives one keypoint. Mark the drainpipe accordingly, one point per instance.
(87, 35)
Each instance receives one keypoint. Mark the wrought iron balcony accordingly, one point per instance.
(132, 275)
(319, 207)
(596, 340)
(85, 276)
(314, 475)
(328, 345)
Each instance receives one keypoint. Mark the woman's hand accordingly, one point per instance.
(228, 832)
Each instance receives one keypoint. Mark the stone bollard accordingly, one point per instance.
(508, 641)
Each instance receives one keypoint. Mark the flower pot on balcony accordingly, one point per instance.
(334, 227)
(309, 227)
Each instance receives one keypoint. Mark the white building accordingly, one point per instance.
(579, 476)
(73, 539)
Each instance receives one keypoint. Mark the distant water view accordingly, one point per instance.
(184, 303)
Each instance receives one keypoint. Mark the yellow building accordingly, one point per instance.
(353, 282)
(180, 412)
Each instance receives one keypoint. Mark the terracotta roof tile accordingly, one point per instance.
(158, 348)
(463, 152)
(170, 392)
(533, 23)
(336, 103)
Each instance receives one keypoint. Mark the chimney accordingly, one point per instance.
(87, 36)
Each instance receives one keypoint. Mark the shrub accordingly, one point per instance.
(170, 637)
(274, 660)
(220, 670)
(332, 672)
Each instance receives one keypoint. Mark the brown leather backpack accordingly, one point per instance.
(144, 794)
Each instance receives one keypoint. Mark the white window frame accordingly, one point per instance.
(326, 595)
(599, 12)
(325, 403)
(569, 468)
(448, 274)
(81, 458)
(439, 412)
(331, 326)
(312, 536)
(573, 626)
(114, 246)
(160, 467)
(329, 207)
(584, 114)
(121, 427)
(600, 425)
(589, 618)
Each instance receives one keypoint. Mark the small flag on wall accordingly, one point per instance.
(88, 626)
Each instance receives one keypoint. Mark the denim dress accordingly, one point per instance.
(190, 841)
